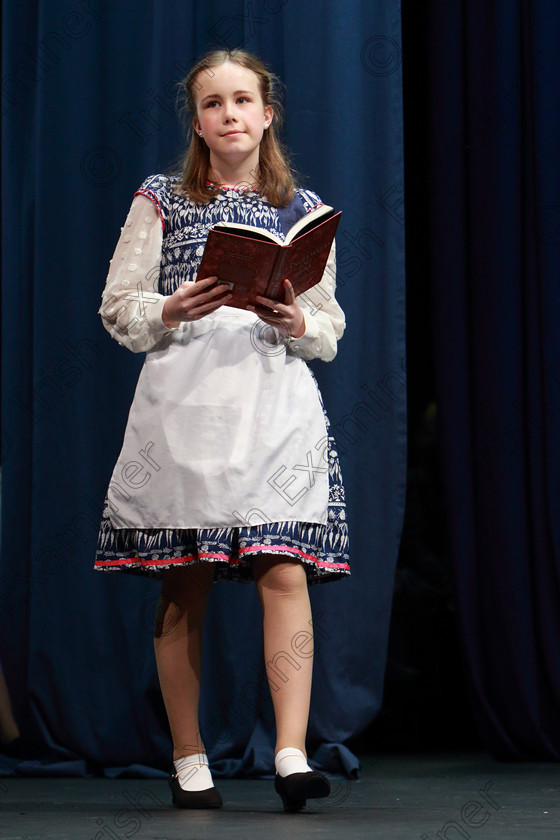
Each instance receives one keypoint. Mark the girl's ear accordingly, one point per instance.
(196, 124)
(268, 115)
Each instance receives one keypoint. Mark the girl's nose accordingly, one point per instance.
(229, 112)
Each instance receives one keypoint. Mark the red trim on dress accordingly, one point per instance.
(151, 562)
(191, 558)
(297, 551)
(209, 555)
(153, 198)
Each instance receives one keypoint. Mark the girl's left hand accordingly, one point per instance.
(287, 317)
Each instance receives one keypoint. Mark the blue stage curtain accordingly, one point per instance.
(88, 95)
(494, 174)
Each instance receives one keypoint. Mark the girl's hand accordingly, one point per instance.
(192, 301)
(287, 317)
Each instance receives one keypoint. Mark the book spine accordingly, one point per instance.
(275, 289)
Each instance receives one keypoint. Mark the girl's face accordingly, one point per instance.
(231, 114)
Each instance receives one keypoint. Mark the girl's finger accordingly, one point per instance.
(269, 303)
(210, 297)
(206, 281)
(206, 308)
(276, 321)
(215, 293)
(198, 284)
(289, 295)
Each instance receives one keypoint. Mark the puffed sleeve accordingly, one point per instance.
(131, 307)
(324, 319)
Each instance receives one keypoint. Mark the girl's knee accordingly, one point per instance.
(278, 575)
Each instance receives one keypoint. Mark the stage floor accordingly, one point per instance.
(435, 797)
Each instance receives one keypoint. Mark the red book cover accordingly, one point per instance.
(257, 266)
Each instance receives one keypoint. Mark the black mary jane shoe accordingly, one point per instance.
(209, 798)
(296, 788)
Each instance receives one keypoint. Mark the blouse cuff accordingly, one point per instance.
(154, 315)
(310, 334)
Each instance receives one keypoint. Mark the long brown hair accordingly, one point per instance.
(274, 177)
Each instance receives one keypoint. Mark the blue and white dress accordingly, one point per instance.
(227, 452)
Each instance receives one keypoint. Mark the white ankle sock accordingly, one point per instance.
(290, 760)
(193, 772)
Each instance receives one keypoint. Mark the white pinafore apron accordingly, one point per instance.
(225, 430)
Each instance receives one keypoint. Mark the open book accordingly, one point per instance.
(252, 261)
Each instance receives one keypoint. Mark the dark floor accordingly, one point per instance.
(448, 797)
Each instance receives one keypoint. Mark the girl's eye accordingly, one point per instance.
(212, 103)
(243, 99)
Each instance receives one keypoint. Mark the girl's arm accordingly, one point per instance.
(314, 317)
(324, 319)
(131, 307)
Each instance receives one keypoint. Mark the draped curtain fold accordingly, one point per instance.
(494, 172)
(88, 95)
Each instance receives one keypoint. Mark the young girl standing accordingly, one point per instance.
(227, 469)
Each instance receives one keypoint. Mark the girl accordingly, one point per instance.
(227, 470)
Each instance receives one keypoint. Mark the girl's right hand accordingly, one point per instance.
(192, 301)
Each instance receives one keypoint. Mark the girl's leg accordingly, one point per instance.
(178, 648)
(282, 588)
